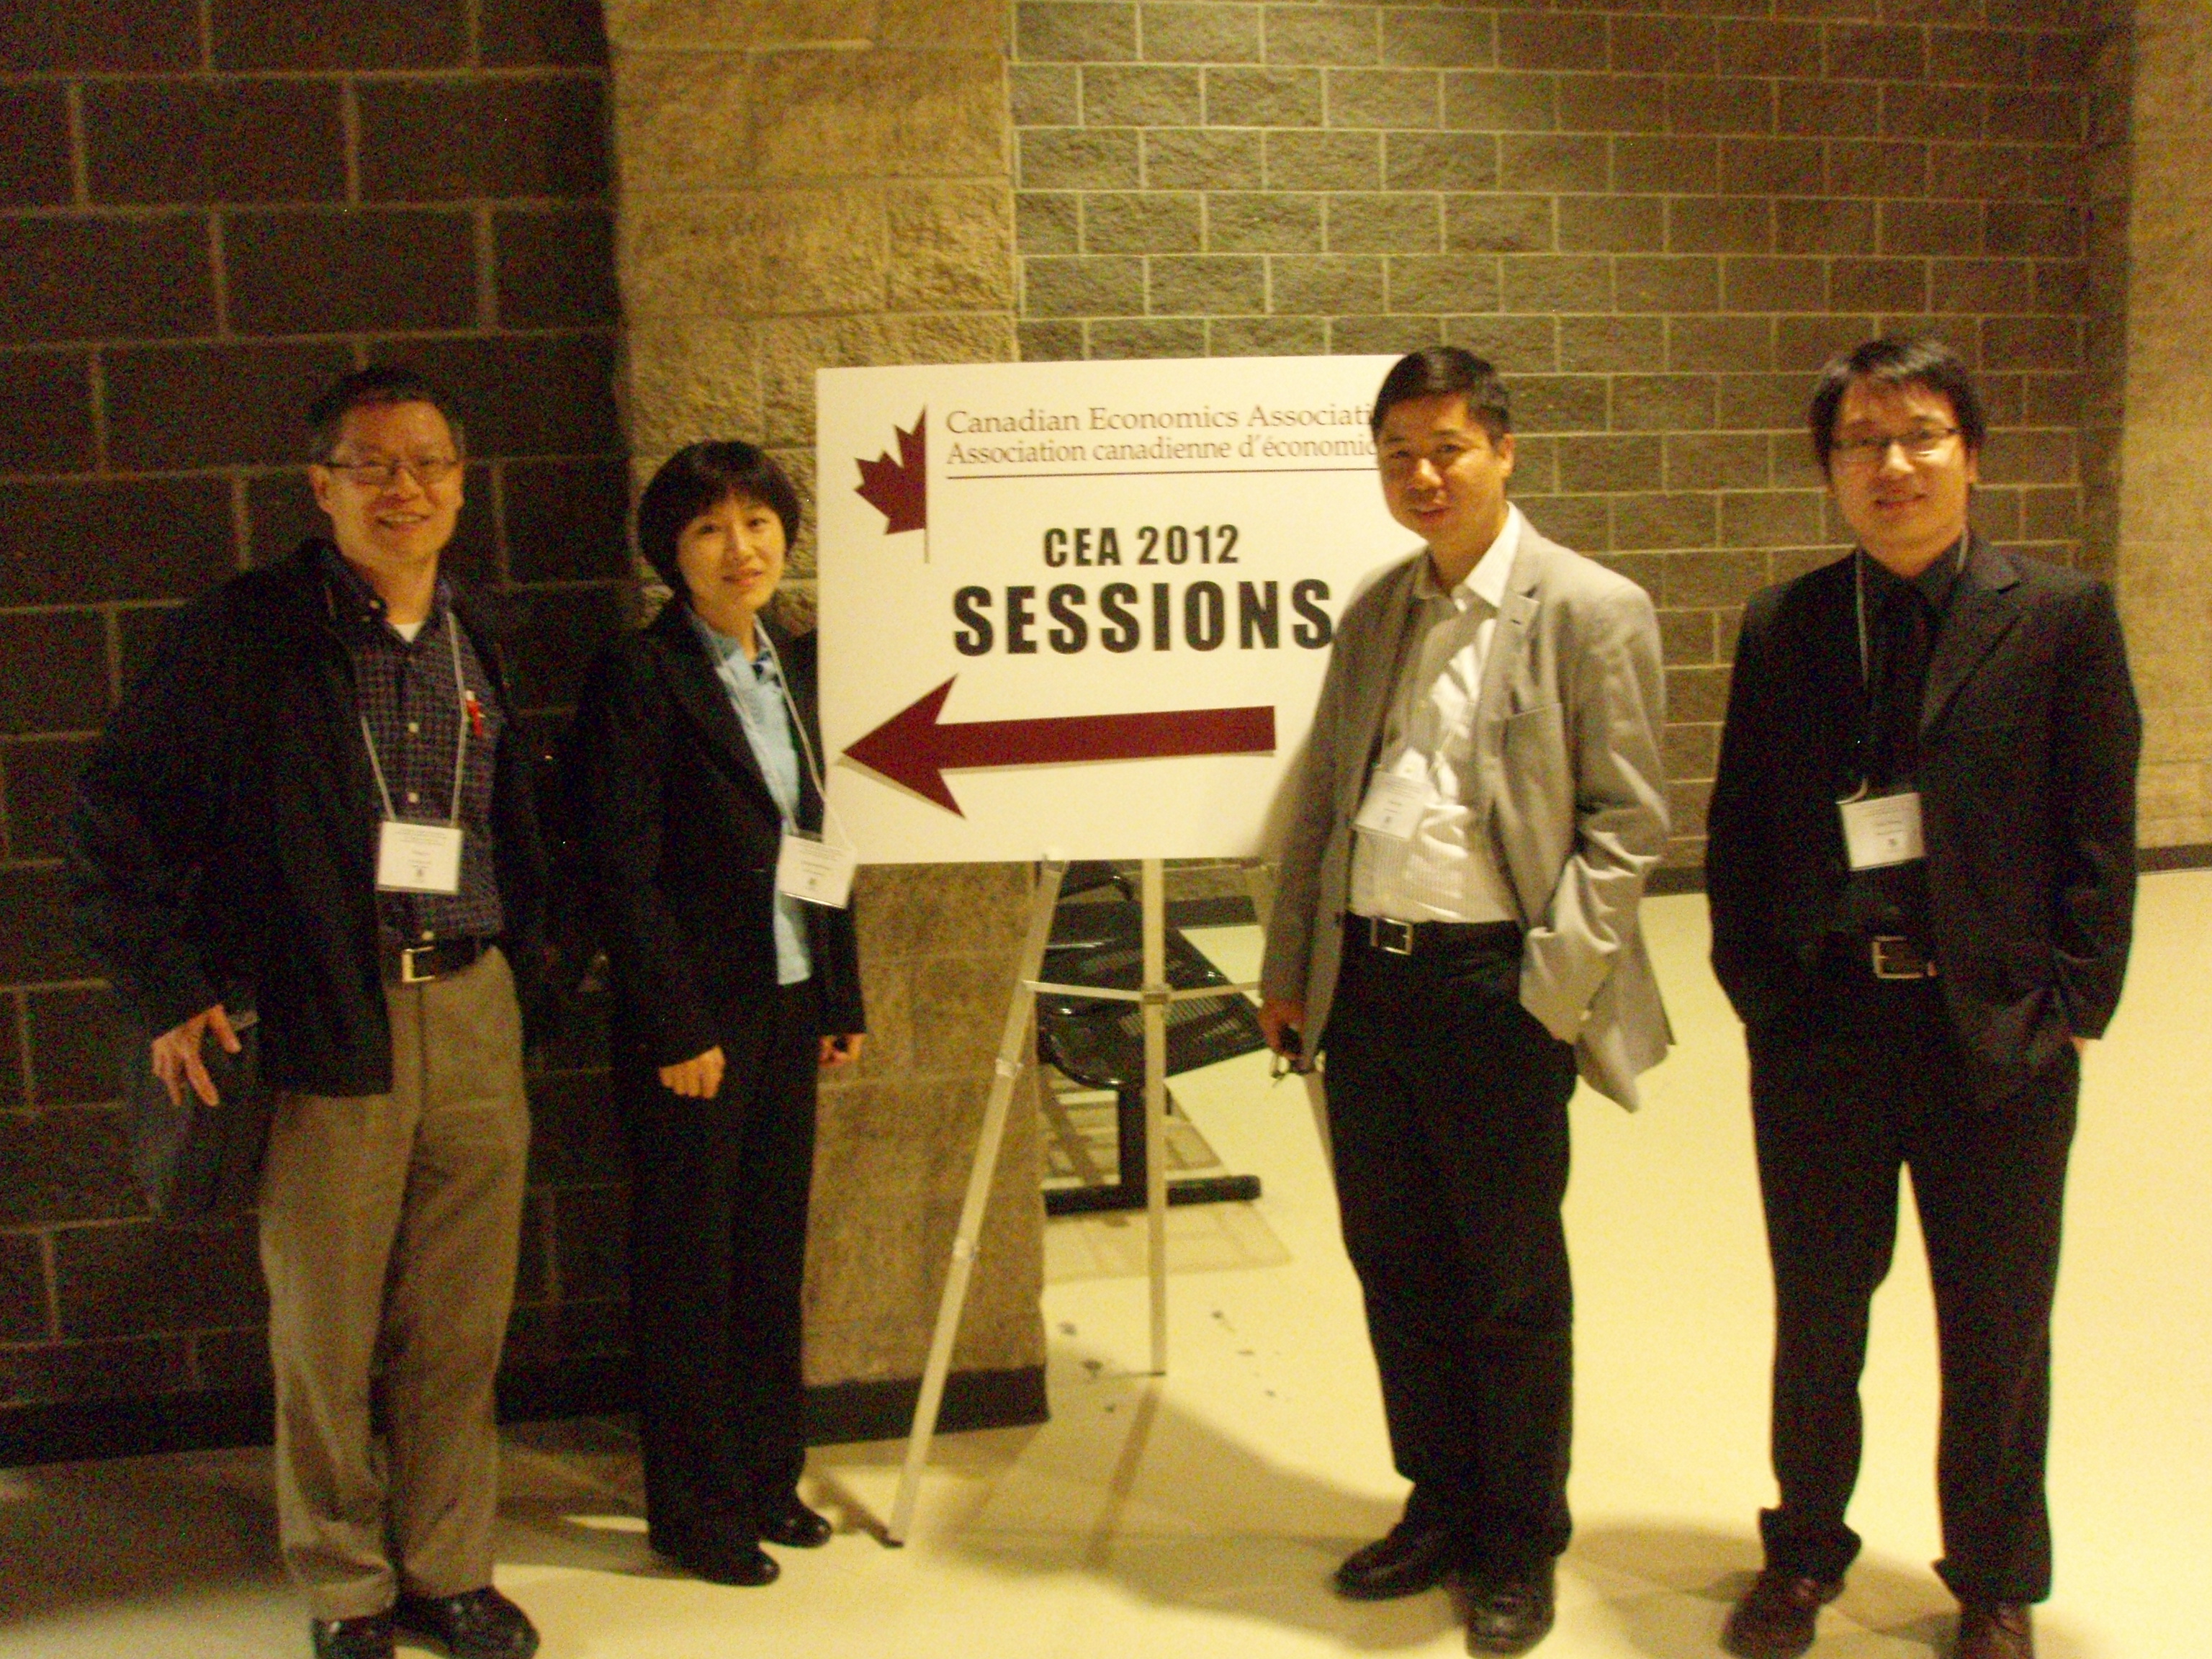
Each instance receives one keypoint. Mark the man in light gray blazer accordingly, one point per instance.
(1455, 935)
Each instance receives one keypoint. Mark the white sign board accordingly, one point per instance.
(1082, 609)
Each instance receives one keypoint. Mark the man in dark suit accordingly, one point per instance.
(1455, 933)
(1921, 867)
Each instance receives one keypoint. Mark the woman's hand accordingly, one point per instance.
(700, 1077)
(840, 1050)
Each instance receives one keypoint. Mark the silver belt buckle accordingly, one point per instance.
(407, 974)
(1880, 948)
(1395, 938)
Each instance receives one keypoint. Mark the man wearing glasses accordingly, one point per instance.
(1456, 936)
(315, 798)
(1921, 869)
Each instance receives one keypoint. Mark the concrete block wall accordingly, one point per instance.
(2163, 565)
(207, 209)
(815, 184)
(1658, 217)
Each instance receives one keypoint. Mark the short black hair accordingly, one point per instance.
(1922, 360)
(699, 476)
(1438, 371)
(382, 383)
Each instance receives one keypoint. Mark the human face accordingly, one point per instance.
(732, 558)
(1905, 507)
(399, 527)
(1445, 479)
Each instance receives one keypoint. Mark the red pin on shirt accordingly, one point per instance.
(476, 716)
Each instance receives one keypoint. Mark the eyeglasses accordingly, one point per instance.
(428, 470)
(1922, 443)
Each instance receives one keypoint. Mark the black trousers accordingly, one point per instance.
(1448, 1114)
(718, 1193)
(1862, 1081)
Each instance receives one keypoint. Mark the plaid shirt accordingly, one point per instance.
(406, 692)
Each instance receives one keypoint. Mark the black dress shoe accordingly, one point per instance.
(1994, 1630)
(1413, 1556)
(717, 1556)
(477, 1623)
(369, 1638)
(791, 1524)
(1774, 1619)
(1508, 1612)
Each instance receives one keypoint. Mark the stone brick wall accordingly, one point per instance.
(815, 184)
(2164, 565)
(207, 208)
(1657, 217)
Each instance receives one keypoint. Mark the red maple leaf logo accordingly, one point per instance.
(899, 489)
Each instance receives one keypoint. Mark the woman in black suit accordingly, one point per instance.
(696, 751)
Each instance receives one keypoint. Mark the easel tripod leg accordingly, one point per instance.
(1155, 1005)
(1008, 1072)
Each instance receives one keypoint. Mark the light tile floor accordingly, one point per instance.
(1200, 1513)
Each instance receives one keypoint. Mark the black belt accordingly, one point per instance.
(1882, 956)
(1416, 939)
(418, 964)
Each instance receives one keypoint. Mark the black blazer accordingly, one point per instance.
(225, 832)
(2029, 737)
(680, 837)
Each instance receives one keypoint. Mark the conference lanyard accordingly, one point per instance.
(808, 866)
(1878, 831)
(424, 858)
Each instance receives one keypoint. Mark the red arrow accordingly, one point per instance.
(913, 751)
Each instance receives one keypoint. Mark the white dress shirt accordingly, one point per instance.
(1443, 870)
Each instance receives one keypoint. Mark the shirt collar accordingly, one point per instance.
(352, 599)
(729, 651)
(1487, 581)
(1934, 584)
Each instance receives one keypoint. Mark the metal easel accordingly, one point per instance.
(1153, 997)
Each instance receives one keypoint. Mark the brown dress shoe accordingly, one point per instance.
(1774, 1619)
(1994, 1630)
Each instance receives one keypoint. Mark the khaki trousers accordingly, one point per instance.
(389, 1233)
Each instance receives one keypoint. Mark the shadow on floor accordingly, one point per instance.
(1671, 1587)
(1127, 1488)
(76, 1535)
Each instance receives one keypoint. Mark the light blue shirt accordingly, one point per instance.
(756, 690)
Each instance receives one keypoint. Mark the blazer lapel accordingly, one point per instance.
(1372, 711)
(1517, 613)
(700, 694)
(1981, 614)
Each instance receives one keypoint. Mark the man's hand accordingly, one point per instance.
(699, 1078)
(177, 1054)
(1281, 1017)
(840, 1050)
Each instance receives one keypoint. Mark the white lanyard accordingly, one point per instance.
(1880, 831)
(461, 743)
(1858, 586)
(808, 867)
(798, 726)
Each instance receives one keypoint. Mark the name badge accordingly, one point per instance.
(1880, 831)
(418, 857)
(814, 870)
(1393, 806)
